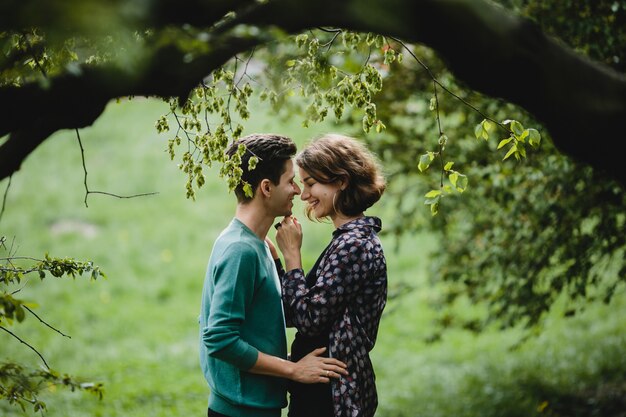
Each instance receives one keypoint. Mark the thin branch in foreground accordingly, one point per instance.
(87, 191)
(328, 44)
(446, 89)
(46, 324)
(25, 343)
(19, 289)
(245, 69)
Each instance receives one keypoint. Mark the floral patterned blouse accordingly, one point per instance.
(345, 300)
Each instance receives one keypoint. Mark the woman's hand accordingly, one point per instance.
(289, 240)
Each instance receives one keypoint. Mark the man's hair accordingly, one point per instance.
(332, 158)
(272, 151)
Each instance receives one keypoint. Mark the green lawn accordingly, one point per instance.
(136, 331)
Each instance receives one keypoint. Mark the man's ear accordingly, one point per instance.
(265, 186)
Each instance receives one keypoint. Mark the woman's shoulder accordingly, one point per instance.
(358, 229)
(362, 240)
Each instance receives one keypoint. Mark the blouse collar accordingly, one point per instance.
(365, 221)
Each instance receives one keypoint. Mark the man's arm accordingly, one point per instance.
(311, 369)
(223, 340)
(227, 311)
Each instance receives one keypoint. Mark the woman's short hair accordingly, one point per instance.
(272, 152)
(333, 157)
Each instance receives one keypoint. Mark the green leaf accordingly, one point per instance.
(425, 161)
(523, 136)
(478, 131)
(517, 128)
(453, 178)
(503, 142)
(301, 39)
(434, 206)
(511, 151)
(19, 313)
(448, 166)
(460, 182)
(433, 194)
(535, 137)
(481, 131)
(247, 189)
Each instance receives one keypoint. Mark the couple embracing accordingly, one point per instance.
(249, 297)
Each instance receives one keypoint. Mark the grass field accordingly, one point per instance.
(136, 331)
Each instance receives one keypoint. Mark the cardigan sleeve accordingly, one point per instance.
(233, 292)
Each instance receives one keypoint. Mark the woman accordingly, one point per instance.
(339, 303)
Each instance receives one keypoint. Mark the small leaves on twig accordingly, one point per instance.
(17, 385)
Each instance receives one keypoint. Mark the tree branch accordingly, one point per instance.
(25, 343)
(581, 103)
(77, 100)
(46, 324)
(87, 190)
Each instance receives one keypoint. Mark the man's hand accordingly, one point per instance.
(314, 369)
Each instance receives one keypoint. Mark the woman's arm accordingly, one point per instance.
(346, 265)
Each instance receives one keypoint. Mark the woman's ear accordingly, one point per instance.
(343, 184)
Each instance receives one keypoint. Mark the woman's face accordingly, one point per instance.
(318, 196)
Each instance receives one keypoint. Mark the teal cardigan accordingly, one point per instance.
(242, 315)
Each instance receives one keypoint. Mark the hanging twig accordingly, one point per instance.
(87, 190)
(46, 324)
(25, 343)
(436, 81)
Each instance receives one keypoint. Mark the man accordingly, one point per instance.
(243, 346)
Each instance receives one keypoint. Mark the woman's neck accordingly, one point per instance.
(339, 219)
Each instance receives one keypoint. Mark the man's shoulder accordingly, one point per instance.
(232, 243)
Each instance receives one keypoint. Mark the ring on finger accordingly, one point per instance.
(327, 373)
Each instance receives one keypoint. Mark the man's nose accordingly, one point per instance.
(296, 189)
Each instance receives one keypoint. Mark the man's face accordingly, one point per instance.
(284, 192)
